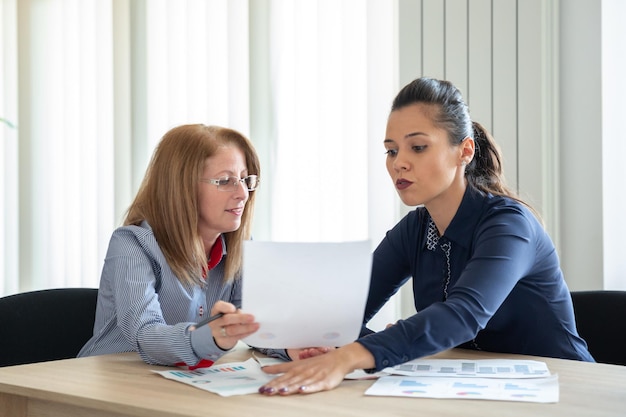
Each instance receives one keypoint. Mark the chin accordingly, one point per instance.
(408, 201)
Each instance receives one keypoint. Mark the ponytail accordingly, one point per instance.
(484, 172)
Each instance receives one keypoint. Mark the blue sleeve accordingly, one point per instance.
(390, 267)
(504, 250)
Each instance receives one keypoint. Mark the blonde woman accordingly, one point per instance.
(177, 258)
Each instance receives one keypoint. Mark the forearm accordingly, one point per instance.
(356, 356)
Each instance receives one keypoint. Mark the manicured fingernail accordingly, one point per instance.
(283, 390)
(302, 388)
(262, 390)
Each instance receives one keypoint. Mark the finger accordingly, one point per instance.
(241, 330)
(285, 387)
(223, 307)
(232, 333)
(290, 384)
(235, 319)
(278, 368)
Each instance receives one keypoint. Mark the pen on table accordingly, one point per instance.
(206, 321)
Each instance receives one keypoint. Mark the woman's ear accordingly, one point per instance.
(467, 150)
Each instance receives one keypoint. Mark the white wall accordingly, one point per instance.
(581, 144)
(613, 143)
(593, 173)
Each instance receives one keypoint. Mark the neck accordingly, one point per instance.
(443, 209)
(208, 242)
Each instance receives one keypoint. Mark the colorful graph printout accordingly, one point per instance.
(484, 368)
(539, 390)
(237, 378)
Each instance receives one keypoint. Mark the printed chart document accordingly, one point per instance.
(538, 390)
(305, 294)
(484, 379)
(237, 378)
(484, 368)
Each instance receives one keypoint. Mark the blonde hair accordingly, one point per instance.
(168, 199)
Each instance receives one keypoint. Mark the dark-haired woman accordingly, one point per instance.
(485, 273)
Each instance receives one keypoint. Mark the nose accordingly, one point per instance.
(400, 163)
(242, 191)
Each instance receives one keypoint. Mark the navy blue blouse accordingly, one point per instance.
(491, 282)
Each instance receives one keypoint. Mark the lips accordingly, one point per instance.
(237, 211)
(402, 184)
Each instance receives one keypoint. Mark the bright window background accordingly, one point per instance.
(88, 87)
(101, 81)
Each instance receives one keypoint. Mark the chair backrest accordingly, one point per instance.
(601, 321)
(45, 325)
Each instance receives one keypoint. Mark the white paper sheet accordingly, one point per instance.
(305, 294)
(538, 390)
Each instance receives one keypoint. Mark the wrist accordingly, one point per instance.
(356, 356)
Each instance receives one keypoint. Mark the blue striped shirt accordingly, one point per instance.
(143, 307)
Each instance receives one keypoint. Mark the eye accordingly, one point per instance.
(419, 148)
(391, 152)
(224, 181)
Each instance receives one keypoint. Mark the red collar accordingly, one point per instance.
(217, 251)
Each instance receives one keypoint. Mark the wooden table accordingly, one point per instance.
(123, 385)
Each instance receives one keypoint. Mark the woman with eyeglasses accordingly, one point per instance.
(486, 275)
(177, 259)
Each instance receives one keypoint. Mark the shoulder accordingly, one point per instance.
(413, 218)
(503, 206)
(406, 233)
(481, 214)
(133, 237)
(501, 212)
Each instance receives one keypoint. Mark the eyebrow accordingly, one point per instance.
(229, 173)
(408, 135)
(412, 134)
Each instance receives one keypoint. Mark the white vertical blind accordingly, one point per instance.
(504, 81)
(65, 147)
(197, 67)
(319, 73)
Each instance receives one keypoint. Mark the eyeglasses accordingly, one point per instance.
(231, 184)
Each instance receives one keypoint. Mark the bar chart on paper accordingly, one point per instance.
(488, 368)
(540, 390)
(237, 378)
(486, 379)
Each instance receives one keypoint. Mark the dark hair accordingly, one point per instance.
(451, 113)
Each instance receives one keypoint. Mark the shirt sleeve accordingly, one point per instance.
(390, 269)
(504, 250)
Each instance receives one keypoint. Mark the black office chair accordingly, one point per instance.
(601, 321)
(45, 325)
